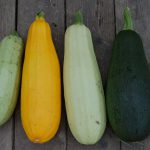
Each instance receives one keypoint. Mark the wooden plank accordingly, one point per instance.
(99, 17)
(6, 135)
(7, 25)
(140, 13)
(7, 16)
(147, 143)
(132, 146)
(54, 10)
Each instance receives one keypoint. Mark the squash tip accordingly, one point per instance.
(15, 33)
(128, 23)
(78, 17)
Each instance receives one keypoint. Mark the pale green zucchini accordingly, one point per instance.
(83, 90)
(11, 50)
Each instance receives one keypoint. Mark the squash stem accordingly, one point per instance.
(40, 14)
(15, 33)
(79, 17)
(128, 23)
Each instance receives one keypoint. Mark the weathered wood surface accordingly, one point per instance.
(104, 18)
(7, 25)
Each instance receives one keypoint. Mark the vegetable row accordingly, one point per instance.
(127, 92)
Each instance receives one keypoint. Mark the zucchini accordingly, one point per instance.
(11, 50)
(128, 88)
(83, 90)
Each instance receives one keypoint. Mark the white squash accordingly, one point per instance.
(83, 90)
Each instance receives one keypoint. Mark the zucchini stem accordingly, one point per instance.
(15, 33)
(40, 14)
(128, 23)
(79, 17)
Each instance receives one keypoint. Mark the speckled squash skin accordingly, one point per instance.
(11, 50)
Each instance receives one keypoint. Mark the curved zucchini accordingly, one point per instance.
(84, 96)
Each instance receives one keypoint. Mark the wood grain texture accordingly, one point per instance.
(54, 11)
(132, 146)
(147, 143)
(99, 17)
(140, 14)
(7, 17)
(7, 25)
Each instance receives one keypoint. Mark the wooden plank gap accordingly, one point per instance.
(65, 15)
(16, 15)
(115, 28)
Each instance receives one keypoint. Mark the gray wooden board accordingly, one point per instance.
(147, 144)
(7, 25)
(140, 14)
(54, 11)
(99, 17)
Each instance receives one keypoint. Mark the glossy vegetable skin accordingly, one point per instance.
(41, 87)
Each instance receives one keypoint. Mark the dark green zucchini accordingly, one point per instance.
(128, 86)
